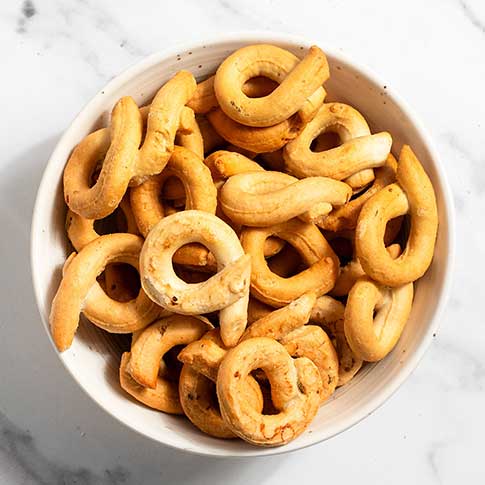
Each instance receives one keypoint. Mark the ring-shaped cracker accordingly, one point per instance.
(157, 339)
(227, 290)
(298, 80)
(276, 291)
(200, 192)
(359, 151)
(118, 146)
(296, 387)
(375, 317)
(164, 397)
(262, 198)
(80, 292)
(413, 194)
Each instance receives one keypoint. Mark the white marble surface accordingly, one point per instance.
(56, 54)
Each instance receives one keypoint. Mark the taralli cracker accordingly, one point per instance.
(299, 80)
(237, 205)
(157, 339)
(200, 192)
(296, 389)
(413, 193)
(227, 291)
(276, 291)
(162, 125)
(360, 150)
(164, 397)
(264, 198)
(118, 146)
(80, 292)
(375, 318)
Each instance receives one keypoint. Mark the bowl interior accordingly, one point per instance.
(94, 356)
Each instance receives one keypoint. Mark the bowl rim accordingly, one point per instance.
(249, 37)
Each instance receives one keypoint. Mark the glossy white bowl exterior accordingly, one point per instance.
(93, 358)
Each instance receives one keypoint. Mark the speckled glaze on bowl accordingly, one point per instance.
(94, 357)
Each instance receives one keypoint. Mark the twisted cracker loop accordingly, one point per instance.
(200, 192)
(326, 311)
(205, 355)
(349, 362)
(298, 81)
(188, 136)
(119, 147)
(312, 246)
(360, 150)
(80, 292)
(227, 290)
(162, 125)
(413, 193)
(371, 337)
(286, 375)
(266, 198)
(164, 397)
(157, 339)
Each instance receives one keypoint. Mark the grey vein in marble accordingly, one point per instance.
(27, 11)
(27, 464)
(472, 17)
(431, 458)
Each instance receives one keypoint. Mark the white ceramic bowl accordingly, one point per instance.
(93, 359)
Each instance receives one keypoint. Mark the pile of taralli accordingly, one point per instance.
(273, 239)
